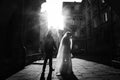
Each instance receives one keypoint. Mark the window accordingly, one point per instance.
(106, 16)
(103, 1)
(76, 7)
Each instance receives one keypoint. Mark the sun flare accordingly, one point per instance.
(53, 9)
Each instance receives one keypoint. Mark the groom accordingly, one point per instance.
(49, 48)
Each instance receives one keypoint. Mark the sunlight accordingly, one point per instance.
(54, 14)
(53, 9)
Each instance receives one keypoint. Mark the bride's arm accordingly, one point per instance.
(71, 43)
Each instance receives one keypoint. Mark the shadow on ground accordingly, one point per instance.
(49, 77)
(60, 77)
(67, 77)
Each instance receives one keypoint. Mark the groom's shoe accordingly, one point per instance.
(58, 73)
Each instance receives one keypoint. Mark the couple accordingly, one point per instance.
(63, 64)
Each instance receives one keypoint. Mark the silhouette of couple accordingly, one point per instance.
(63, 64)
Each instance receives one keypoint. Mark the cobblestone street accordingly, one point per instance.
(83, 70)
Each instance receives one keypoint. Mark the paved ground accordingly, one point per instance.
(83, 70)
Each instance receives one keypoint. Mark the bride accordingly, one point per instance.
(64, 63)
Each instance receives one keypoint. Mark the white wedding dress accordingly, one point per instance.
(64, 63)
